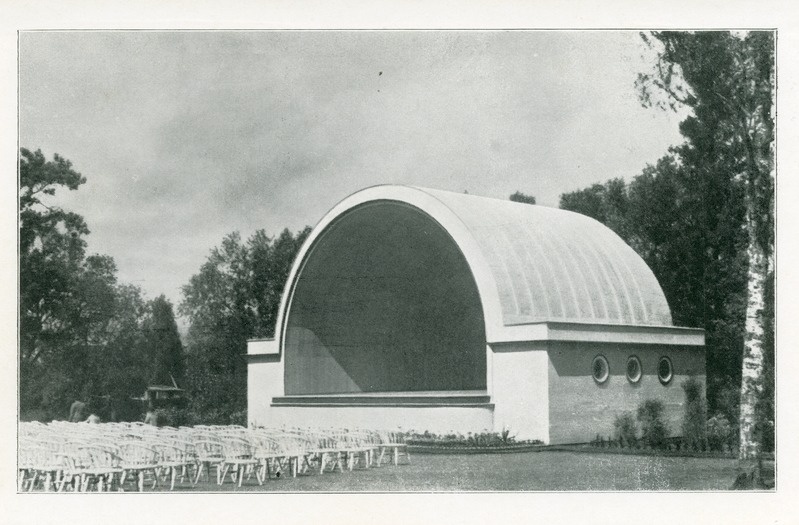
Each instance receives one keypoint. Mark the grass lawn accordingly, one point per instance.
(545, 471)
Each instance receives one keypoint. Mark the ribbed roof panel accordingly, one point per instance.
(555, 265)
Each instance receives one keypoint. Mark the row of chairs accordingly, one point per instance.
(61, 456)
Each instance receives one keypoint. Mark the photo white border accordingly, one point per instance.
(348, 509)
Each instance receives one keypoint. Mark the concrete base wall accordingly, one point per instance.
(580, 409)
(264, 381)
(537, 390)
(440, 420)
(520, 390)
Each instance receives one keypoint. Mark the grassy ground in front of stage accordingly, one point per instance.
(530, 471)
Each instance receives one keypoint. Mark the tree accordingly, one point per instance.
(163, 341)
(124, 364)
(80, 330)
(51, 251)
(521, 197)
(234, 297)
(727, 81)
(606, 203)
(215, 303)
(270, 264)
(687, 220)
(687, 225)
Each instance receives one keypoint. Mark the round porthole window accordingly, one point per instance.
(600, 369)
(665, 370)
(633, 369)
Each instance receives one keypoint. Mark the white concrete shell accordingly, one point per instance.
(555, 289)
(531, 264)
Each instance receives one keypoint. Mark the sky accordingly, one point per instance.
(184, 137)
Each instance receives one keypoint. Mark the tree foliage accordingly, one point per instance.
(727, 81)
(51, 250)
(688, 229)
(702, 216)
(654, 429)
(234, 297)
(82, 333)
(163, 341)
(606, 203)
(523, 198)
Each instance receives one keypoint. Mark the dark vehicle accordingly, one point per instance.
(163, 396)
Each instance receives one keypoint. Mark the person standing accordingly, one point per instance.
(151, 418)
(77, 412)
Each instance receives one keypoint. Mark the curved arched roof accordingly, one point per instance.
(555, 265)
(530, 263)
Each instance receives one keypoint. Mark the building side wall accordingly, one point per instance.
(580, 409)
(520, 390)
(264, 381)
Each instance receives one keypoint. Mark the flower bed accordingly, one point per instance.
(438, 448)
(633, 451)
(673, 448)
(484, 443)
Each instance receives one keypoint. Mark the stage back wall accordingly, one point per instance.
(385, 303)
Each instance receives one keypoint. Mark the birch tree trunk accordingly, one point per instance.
(728, 81)
(757, 138)
(752, 365)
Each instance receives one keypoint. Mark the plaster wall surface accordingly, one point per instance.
(580, 409)
(520, 389)
(264, 381)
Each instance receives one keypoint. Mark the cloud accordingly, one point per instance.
(186, 136)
